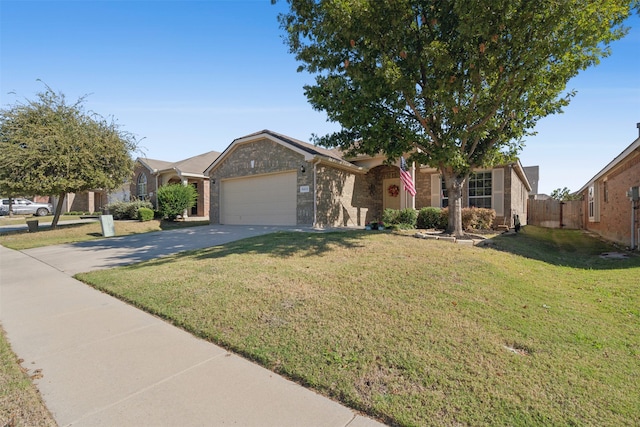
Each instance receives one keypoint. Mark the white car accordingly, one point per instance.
(25, 207)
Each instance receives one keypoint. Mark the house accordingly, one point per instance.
(271, 179)
(150, 174)
(608, 209)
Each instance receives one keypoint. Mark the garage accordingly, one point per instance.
(268, 199)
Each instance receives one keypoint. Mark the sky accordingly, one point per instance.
(188, 77)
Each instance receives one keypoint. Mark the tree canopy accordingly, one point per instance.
(50, 147)
(458, 84)
(564, 195)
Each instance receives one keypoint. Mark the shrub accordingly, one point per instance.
(477, 218)
(127, 210)
(390, 217)
(472, 218)
(405, 218)
(174, 199)
(431, 217)
(145, 214)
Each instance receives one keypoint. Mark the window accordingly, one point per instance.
(444, 194)
(480, 190)
(142, 186)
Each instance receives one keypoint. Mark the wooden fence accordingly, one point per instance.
(554, 214)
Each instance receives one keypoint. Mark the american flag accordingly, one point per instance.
(405, 176)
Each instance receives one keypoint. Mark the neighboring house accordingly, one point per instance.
(270, 179)
(607, 208)
(150, 174)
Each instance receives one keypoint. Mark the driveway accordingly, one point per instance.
(116, 251)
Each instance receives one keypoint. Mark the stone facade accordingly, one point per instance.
(263, 157)
(343, 198)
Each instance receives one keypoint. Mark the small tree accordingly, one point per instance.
(49, 147)
(564, 195)
(174, 199)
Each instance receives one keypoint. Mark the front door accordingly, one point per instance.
(194, 208)
(391, 193)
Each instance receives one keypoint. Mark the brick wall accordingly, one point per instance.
(151, 184)
(615, 206)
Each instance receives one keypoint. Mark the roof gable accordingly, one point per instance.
(309, 151)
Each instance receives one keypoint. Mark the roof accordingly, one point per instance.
(154, 165)
(615, 162)
(193, 166)
(310, 151)
(196, 164)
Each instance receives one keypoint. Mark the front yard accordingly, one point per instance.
(534, 329)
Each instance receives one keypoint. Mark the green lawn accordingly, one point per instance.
(69, 233)
(534, 329)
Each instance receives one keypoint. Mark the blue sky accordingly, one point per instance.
(192, 76)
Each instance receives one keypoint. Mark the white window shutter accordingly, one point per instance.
(497, 191)
(436, 187)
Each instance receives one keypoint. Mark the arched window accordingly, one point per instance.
(142, 186)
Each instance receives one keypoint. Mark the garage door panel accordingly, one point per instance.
(261, 200)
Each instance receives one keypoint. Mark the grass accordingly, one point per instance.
(20, 403)
(69, 233)
(534, 329)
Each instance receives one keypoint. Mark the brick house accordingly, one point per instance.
(150, 174)
(271, 179)
(607, 208)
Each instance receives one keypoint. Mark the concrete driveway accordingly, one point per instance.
(115, 251)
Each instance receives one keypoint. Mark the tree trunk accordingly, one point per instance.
(56, 215)
(454, 184)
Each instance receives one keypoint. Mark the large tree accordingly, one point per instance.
(51, 147)
(457, 84)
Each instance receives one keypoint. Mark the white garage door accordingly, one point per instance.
(260, 200)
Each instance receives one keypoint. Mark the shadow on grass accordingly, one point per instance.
(286, 244)
(279, 244)
(570, 248)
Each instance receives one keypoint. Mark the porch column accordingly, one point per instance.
(185, 213)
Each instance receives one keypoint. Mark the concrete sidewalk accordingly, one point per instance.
(105, 363)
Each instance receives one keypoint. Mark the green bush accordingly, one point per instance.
(405, 218)
(477, 218)
(390, 217)
(408, 217)
(127, 210)
(174, 199)
(431, 217)
(472, 218)
(145, 214)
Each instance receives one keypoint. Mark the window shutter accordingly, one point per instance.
(497, 191)
(435, 190)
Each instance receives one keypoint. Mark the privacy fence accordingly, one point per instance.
(554, 214)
